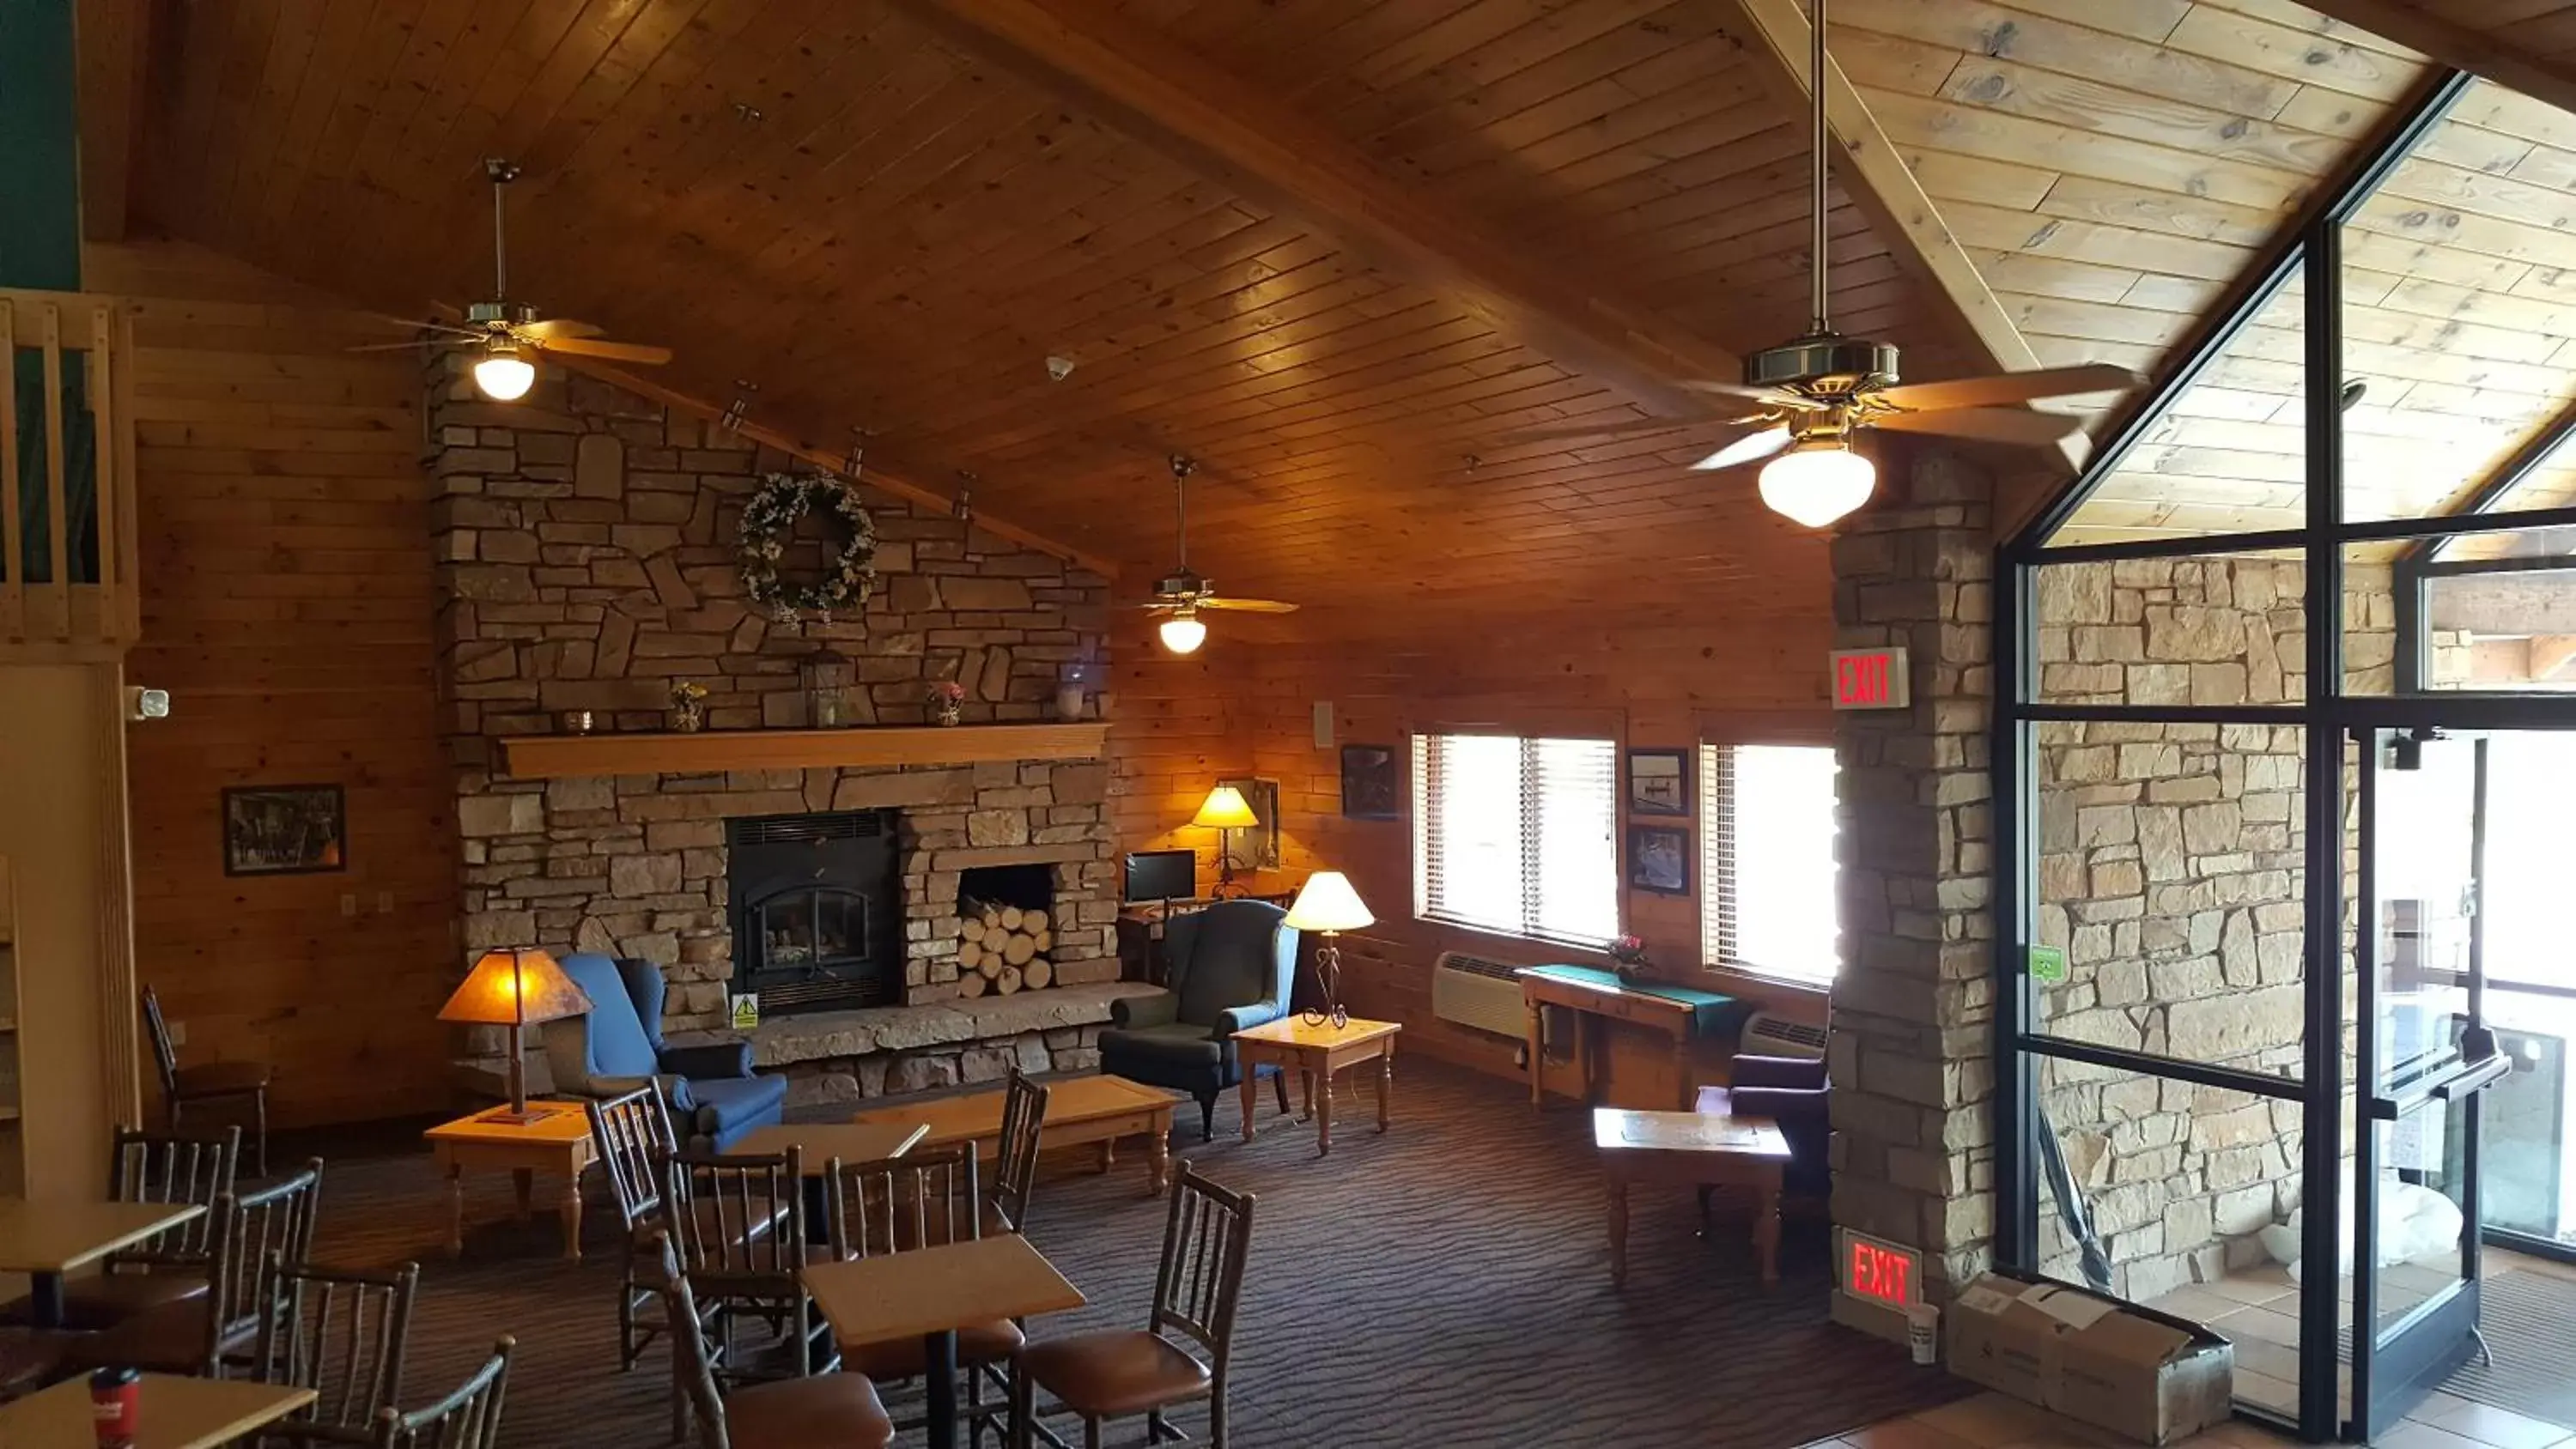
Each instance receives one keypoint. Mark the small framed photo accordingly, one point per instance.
(1659, 860)
(1372, 783)
(1659, 783)
(285, 829)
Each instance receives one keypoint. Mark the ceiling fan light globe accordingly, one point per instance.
(504, 376)
(1183, 633)
(1818, 482)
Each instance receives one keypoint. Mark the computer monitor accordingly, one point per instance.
(1162, 875)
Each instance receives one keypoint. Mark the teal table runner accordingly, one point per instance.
(1711, 1013)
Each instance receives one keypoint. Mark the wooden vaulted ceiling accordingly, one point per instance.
(886, 220)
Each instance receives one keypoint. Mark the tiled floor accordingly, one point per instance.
(2258, 1309)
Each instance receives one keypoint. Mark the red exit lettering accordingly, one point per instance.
(1869, 679)
(1880, 1274)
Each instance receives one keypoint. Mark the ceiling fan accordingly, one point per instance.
(506, 332)
(1812, 394)
(1179, 595)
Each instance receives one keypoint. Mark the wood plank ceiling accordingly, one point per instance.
(883, 229)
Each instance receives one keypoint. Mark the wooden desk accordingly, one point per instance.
(1079, 1110)
(1594, 996)
(929, 1292)
(175, 1413)
(1691, 1149)
(558, 1142)
(1314, 1053)
(46, 1239)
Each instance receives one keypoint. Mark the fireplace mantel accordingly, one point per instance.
(549, 757)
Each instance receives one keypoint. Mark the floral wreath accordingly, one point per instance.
(768, 520)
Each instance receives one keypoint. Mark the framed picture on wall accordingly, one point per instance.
(1659, 860)
(1659, 783)
(1372, 783)
(285, 829)
(1257, 848)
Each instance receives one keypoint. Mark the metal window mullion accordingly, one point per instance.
(1533, 809)
(2015, 785)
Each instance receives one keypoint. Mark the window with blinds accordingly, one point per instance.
(1517, 835)
(1766, 834)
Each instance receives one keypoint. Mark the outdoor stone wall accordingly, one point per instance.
(586, 547)
(1910, 1041)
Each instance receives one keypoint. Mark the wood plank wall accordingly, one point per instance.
(1721, 668)
(288, 609)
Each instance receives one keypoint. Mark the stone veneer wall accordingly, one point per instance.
(1911, 1029)
(2172, 870)
(585, 540)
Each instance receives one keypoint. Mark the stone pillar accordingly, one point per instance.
(1910, 1042)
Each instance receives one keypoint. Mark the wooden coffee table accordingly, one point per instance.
(1691, 1149)
(1079, 1110)
(558, 1143)
(173, 1413)
(1314, 1052)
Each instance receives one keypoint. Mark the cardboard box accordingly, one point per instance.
(2148, 1375)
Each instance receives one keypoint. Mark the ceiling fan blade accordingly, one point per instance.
(419, 324)
(2012, 387)
(1744, 450)
(645, 353)
(1769, 397)
(1635, 428)
(556, 328)
(1993, 425)
(1249, 606)
(407, 346)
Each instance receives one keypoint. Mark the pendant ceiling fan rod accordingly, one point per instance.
(502, 173)
(1181, 469)
(1818, 323)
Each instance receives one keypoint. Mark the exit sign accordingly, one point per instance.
(1870, 678)
(1878, 1271)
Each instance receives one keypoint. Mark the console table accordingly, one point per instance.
(1592, 994)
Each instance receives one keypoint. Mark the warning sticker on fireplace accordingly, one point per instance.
(746, 1011)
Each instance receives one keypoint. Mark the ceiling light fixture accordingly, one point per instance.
(1818, 481)
(502, 374)
(1183, 633)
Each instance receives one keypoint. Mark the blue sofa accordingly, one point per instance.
(713, 1095)
(1229, 967)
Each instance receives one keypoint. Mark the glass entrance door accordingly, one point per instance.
(2424, 1057)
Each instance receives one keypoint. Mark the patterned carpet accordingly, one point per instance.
(1445, 1284)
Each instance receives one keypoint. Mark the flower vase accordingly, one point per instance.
(946, 711)
(688, 717)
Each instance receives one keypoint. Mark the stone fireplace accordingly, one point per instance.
(587, 564)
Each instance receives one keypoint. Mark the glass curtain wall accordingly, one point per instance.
(2249, 671)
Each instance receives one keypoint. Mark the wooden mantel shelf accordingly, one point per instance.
(548, 757)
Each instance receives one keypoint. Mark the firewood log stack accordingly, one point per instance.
(1003, 949)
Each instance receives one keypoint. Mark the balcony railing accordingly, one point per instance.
(67, 512)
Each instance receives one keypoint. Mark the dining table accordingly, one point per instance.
(931, 1293)
(171, 1412)
(46, 1238)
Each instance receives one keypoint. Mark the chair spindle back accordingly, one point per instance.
(715, 1206)
(1015, 1170)
(691, 1363)
(274, 1224)
(342, 1335)
(896, 1204)
(172, 1167)
(633, 1135)
(469, 1418)
(165, 1056)
(1205, 1242)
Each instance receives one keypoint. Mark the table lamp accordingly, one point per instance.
(1327, 903)
(1225, 812)
(512, 988)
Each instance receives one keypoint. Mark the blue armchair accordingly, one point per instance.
(1230, 967)
(617, 1047)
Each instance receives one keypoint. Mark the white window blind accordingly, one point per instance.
(1517, 835)
(1766, 835)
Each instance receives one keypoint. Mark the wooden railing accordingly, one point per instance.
(67, 512)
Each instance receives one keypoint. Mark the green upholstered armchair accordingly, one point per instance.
(1230, 967)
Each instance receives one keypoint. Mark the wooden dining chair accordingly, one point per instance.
(202, 1335)
(170, 1266)
(1015, 1169)
(1113, 1373)
(207, 1084)
(469, 1418)
(738, 1223)
(824, 1411)
(924, 1198)
(342, 1335)
(632, 1134)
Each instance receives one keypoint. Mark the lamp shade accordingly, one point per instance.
(1327, 903)
(1225, 810)
(512, 988)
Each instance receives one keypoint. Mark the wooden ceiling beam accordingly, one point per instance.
(2455, 46)
(113, 45)
(1876, 178)
(878, 477)
(1183, 106)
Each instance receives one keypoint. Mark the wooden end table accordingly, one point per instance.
(1691, 1149)
(1314, 1051)
(558, 1143)
(1079, 1110)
